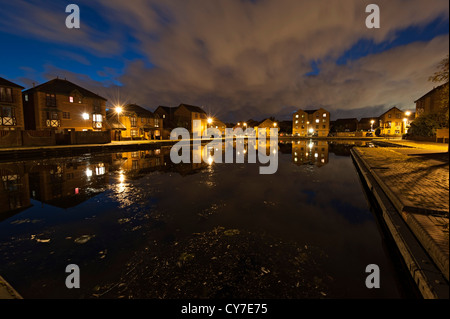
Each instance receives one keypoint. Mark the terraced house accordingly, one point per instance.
(134, 122)
(11, 109)
(63, 106)
(311, 123)
(393, 122)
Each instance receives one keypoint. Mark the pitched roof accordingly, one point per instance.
(166, 109)
(390, 110)
(5, 82)
(354, 119)
(63, 87)
(431, 92)
(134, 108)
(113, 122)
(193, 108)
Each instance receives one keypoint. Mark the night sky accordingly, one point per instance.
(238, 59)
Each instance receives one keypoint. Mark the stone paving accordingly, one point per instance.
(418, 185)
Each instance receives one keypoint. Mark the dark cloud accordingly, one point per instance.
(248, 59)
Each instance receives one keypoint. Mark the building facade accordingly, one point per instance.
(185, 115)
(11, 107)
(311, 123)
(134, 122)
(394, 122)
(431, 102)
(61, 105)
(265, 126)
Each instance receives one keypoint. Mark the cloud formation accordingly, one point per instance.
(249, 59)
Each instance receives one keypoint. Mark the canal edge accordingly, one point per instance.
(427, 276)
(7, 291)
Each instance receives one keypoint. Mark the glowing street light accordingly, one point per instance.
(407, 113)
(210, 120)
(118, 109)
(371, 125)
(85, 116)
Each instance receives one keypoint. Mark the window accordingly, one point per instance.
(398, 115)
(6, 94)
(389, 115)
(156, 122)
(7, 116)
(324, 126)
(26, 97)
(97, 106)
(164, 116)
(317, 126)
(317, 121)
(296, 116)
(296, 122)
(143, 120)
(50, 100)
(66, 115)
(324, 114)
(71, 99)
(134, 133)
(97, 117)
(133, 121)
(324, 120)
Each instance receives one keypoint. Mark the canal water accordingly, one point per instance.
(139, 226)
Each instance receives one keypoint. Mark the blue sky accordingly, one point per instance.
(239, 59)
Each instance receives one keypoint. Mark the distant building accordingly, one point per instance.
(166, 114)
(11, 107)
(345, 125)
(216, 123)
(134, 122)
(185, 115)
(63, 106)
(430, 102)
(266, 126)
(393, 122)
(311, 123)
(367, 124)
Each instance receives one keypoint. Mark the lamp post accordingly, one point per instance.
(371, 125)
(118, 110)
(406, 121)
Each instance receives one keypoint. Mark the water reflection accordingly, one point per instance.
(203, 229)
(68, 182)
(14, 189)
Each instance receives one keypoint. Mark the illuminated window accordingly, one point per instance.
(324, 114)
(317, 121)
(71, 99)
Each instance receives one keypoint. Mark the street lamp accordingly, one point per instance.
(210, 120)
(85, 116)
(371, 125)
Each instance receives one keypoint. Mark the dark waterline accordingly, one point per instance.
(139, 226)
